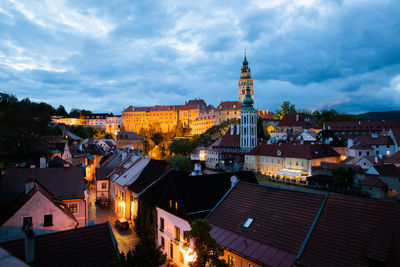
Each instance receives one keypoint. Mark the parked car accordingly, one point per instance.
(121, 224)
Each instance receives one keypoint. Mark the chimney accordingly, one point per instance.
(349, 143)
(232, 129)
(29, 243)
(42, 162)
(29, 184)
(233, 180)
(237, 129)
(297, 117)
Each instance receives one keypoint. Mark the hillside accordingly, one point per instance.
(383, 115)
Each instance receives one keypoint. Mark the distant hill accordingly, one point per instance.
(383, 115)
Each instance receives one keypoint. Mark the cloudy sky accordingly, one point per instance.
(107, 55)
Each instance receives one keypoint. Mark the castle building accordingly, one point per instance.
(245, 80)
(167, 117)
(227, 110)
(248, 123)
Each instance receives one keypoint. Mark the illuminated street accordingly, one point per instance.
(126, 240)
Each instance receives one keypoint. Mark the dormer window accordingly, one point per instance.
(248, 222)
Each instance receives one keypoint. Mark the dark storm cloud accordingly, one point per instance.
(107, 55)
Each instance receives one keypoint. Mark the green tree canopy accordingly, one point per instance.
(207, 250)
(286, 108)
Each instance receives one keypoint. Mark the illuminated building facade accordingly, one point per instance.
(227, 110)
(202, 123)
(166, 117)
(288, 162)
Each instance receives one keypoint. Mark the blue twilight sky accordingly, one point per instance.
(105, 55)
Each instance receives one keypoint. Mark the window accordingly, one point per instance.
(171, 250)
(248, 222)
(48, 220)
(162, 242)
(251, 265)
(73, 207)
(103, 185)
(231, 261)
(27, 220)
(367, 153)
(388, 152)
(161, 224)
(177, 234)
(359, 153)
(170, 203)
(176, 205)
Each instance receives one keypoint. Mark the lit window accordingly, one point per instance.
(248, 222)
(73, 207)
(177, 234)
(388, 152)
(231, 261)
(103, 185)
(176, 205)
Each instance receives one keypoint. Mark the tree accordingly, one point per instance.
(260, 128)
(182, 146)
(180, 161)
(325, 115)
(207, 250)
(60, 111)
(286, 108)
(145, 254)
(343, 178)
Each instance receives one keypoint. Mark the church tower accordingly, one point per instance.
(248, 123)
(245, 80)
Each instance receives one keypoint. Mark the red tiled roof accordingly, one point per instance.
(360, 145)
(191, 104)
(230, 140)
(335, 166)
(305, 151)
(396, 135)
(130, 135)
(373, 181)
(297, 119)
(282, 222)
(345, 234)
(229, 105)
(361, 125)
(85, 246)
(380, 140)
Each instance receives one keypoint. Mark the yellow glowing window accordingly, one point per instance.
(176, 205)
(170, 203)
(388, 152)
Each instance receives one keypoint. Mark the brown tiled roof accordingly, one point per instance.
(305, 151)
(380, 140)
(63, 183)
(389, 170)
(350, 230)
(130, 135)
(86, 246)
(282, 222)
(229, 140)
(290, 120)
(373, 181)
(229, 105)
(361, 125)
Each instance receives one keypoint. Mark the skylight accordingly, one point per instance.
(248, 222)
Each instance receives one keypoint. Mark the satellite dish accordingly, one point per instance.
(234, 179)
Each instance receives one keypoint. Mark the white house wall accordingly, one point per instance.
(36, 207)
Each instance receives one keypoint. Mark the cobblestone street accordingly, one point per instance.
(126, 240)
